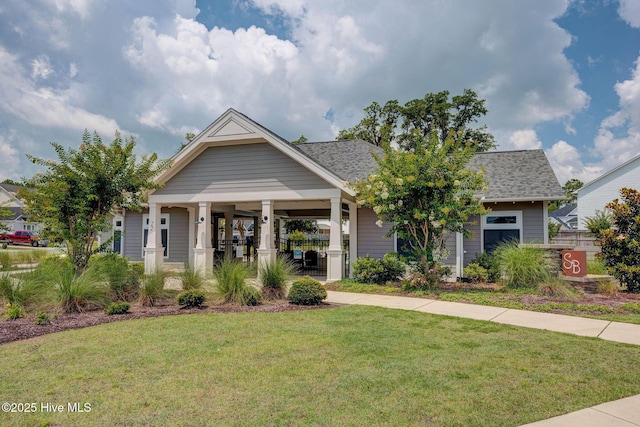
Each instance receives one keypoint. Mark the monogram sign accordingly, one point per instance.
(574, 263)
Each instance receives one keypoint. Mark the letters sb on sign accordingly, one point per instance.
(574, 263)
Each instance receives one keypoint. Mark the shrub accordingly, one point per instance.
(190, 299)
(608, 287)
(42, 319)
(476, 273)
(25, 289)
(599, 222)
(558, 288)
(489, 263)
(367, 269)
(596, 266)
(123, 280)
(306, 291)
(152, 289)
(525, 266)
(77, 293)
(231, 283)
(191, 278)
(621, 244)
(14, 311)
(371, 270)
(419, 281)
(274, 276)
(297, 236)
(121, 307)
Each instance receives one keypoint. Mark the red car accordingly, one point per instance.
(22, 237)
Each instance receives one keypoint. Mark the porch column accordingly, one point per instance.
(353, 236)
(459, 255)
(154, 251)
(267, 250)
(203, 252)
(335, 252)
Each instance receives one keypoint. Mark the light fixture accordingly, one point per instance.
(199, 221)
(265, 219)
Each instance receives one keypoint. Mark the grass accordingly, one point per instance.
(507, 298)
(344, 366)
(274, 276)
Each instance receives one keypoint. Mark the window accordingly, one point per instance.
(499, 227)
(164, 232)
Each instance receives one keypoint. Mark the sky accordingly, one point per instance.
(559, 75)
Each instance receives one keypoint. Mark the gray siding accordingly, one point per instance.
(371, 238)
(133, 235)
(178, 235)
(242, 168)
(471, 246)
(450, 245)
(532, 226)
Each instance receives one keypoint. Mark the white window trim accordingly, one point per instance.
(516, 226)
(165, 226)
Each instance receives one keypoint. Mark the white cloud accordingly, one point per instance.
(526, 139)
(41, 67)
(618, 138)
(9, 161)
(629, 10)
(566, 161)
(43, 106)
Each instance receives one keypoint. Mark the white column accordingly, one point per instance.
(353, 236)
(545, 222)
(203, 252)
(192, 233)
(153, 252)
(267, 250)
(335, 252)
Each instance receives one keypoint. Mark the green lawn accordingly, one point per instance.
(515, 299)
(342, 366)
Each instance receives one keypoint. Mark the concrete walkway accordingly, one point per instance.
(619, 413)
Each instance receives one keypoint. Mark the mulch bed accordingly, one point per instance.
(24, 328)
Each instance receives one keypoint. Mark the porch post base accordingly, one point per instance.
(203, 260)
(265, 256)
(153, 259)
(335, 264)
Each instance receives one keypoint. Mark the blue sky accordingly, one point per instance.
(556, 74)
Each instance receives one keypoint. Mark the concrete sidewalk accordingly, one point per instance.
(619, 413)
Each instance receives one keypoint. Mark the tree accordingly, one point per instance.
(76, 195)
(571, 188)
(434, 113)
(621, 244)
(188, 137)
(425, 193)
(5, 213)
(300, 140)
(304, 225)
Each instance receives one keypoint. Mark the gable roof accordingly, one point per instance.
(349, 159)
(522, 175)
(566, 210)
(234, 127)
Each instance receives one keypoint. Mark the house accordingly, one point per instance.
(595, 195)
(566, 217)
(238, 169)
(17, 220)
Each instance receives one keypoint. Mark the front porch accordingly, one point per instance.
(197, 234)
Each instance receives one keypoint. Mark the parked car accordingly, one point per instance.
(22, 237)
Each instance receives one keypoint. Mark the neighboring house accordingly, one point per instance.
(595, 195)
(17, 220)
(236, 168)
(566, 216)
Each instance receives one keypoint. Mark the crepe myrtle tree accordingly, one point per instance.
(621, 244)
(76, 195)
(425, 193)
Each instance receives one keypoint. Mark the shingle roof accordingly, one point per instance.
(350, 160)
(518, 175)
(523, 175)
(563, 211)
